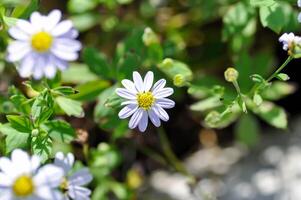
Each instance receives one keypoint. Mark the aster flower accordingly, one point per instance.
(145, 100)
(43, 44)
(289, 41)
(21, 178)
(73, 184)
(299, 3)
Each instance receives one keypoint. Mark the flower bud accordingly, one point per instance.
(149, 37)
(35, 132)
(231, 74)
(167, 63)
(178, 80)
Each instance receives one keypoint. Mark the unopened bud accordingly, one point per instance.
(178, 80)
(231, 74)
(149, 37)
(167, 63)
(35, 132)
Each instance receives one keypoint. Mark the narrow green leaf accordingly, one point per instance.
(70, 107)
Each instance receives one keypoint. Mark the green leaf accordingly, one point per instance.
(282, 77)
(272, 114)
(42, 107)
(33, 6)
(42, 146)
(206, 104)
(128, 63)
(85, 21)
(79, 6)
(262, 2)
(65, 90)
(90, 90)
(278, 90)
(247, 130)
(70, 107)
(20, 123)
(14, 139)
(272, 17)
(78, 73)
(59, 130)
(97, 62)
(257, 99)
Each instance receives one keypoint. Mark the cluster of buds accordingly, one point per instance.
(292, 44)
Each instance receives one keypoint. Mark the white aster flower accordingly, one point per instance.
(21, 178)
(299, 3)
(43, 44)
(289, 40)
(73, 184)
(145, 101)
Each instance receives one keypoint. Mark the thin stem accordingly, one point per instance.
(172, 158)
(290, 58)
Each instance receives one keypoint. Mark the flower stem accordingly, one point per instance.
(280, 68)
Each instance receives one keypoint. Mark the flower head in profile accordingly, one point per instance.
(21, 177)
(289, 42)
(72, 184)
(43, 44)
(145, 100)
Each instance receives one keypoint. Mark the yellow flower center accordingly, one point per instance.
(23, 186)
(41, 41)
(145, 100)
(64, 185)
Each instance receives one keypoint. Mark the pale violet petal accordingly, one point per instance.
(148, 81)
(26, 67)
(49, 175)
(72, 33)
(138, 82)
(17, 46)
(299, 3)
(62, 28)
(165, 92)
(143, 122)
(38, 67)
(59, 63)
(37, 20)
(299, 17)
(7, 167)
(66, 44)
(21, 161)
(81, 177)
(165, 103)
(18, 34)
(79, 193)
(162, 114)
(65, 162)
(129, 102)
(46, 193)
(154, 118)
(26, 27)
(18, 55)
(159, 85)
(35, 163)
(135, 119)
(65, 55)
(53, 19)
(124, 93)
(127, 111)
(129, 85)
(5, 180)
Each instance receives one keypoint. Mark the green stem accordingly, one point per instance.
(289, 59)
(172, 158)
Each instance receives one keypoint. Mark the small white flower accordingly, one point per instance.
(21, 178)
(145, 101)
(299, 3)
(43, 44)
(289, 40)
(72, 184)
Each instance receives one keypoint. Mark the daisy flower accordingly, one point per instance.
(21, 178)
(72, 184)
(43, 44)
(289, 40)
(145, 100)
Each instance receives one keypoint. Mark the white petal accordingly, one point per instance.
(35, 163)
(299, 3)
(46, 193)
(129, 102)
(65, 55)
(17, 46)
(6, 194)
(26, 27)
(138, 81)
(143, 122)
(53, 19)
(7, 167)
(79, 193)
(66, 163)
(49, 175)
(26, 67)
(165, 92)
(62, 28)
(66, 44)
(22, 161)
(165, 103)
(81, 177)
(18, 55)
(129, 85)
(159, 85)
(5, 180)
(59, 63)
(127, 111)
(154, 118)
(49, 71)
(37, 20)
(124, 93)
(162, 114)
(135, 119)
(18, 34)
(40, 63)
(299, 17)
(148, 81)
(72, 33)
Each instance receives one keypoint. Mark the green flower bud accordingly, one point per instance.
(149, 37)
(178, 80)
(167, 63)
(35, 132)
(231, 74)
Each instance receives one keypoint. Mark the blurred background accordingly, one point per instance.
(246, 158)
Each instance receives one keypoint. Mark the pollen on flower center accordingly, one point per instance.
(145, 100)
(23, 186)
(64, 185)
(41, 41)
